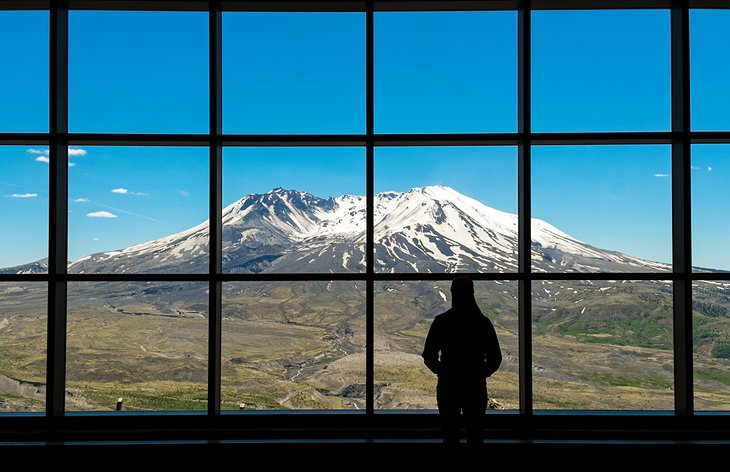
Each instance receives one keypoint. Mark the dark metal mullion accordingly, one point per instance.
(58, 210)
(710, 137)
(681, 210)
(597, 138)
(370, 211)
(465, 139)
(24, 138)
(137, 139)
(524, 208)
(215, 246)
(360, 276)
(314, 140)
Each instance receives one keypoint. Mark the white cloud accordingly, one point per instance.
(126, 212)
(661, 175)
(709, 168)
(45, 152)
(183, 193)
(23, 195)
(45, 160)
(124, 191)
(81, 200)
(42, 152)
(95, 239)
(101, 214)
(76, 152)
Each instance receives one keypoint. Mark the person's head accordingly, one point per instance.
(462, 292)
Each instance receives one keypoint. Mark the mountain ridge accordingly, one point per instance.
(426, 229)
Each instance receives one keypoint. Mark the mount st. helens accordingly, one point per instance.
(598, 344)
(427, 229)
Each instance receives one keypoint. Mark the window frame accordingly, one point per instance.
(58, 139)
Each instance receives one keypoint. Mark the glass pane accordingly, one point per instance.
(24, 80)
(138, 72)
(23, 324)
(24, 207)
(601, 70)
(710, 197)
(710, 64)
(446, 209)
(602, 345)
(445, 72)
(293, 345)
(294, 210)
(403, 314)
(144, 342)
(139, 210)
(601, 209)
(711, 333)
(289, 73)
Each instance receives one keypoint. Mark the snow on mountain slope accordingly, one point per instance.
(37, 267)
(427, 229)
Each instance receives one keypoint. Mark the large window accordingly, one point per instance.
(261, 207)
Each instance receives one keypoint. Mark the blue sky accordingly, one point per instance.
(615, 197)
(321, 171)
(123, 195)
(601, 71)
(488, 174)
(304, 73)
(138, 72)
(282, 75)
(431, 69)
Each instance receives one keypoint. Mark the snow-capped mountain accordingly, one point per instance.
(427, 229)
(37, 267)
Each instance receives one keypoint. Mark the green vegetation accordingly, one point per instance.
(639, 381)
(148, 397)
(291, 345)
(713, 375)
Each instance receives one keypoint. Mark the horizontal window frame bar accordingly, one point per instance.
(601, 138)
(473, 139)
(710, 277)
(445, 5)
(600, 4)
(293, 6)
(125, 139)
(360, 140)
(357, 5)
(140, 5)
(273, 140)
(25, 5)
(710, 137)
(22, 278)
(15, 139)
(362, 276)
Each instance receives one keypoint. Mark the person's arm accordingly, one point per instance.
(431, 348)
(493, 352)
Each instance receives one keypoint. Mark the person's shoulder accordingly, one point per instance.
(442, 316)
(485, 320)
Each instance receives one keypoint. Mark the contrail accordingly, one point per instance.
(20, 186)
(126, 212)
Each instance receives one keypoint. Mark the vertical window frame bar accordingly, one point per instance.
(215, 231)
(681, 210)
(370, 210)
(58, 209)
(524, 210)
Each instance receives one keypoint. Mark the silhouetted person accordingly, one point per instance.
(462, 350)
